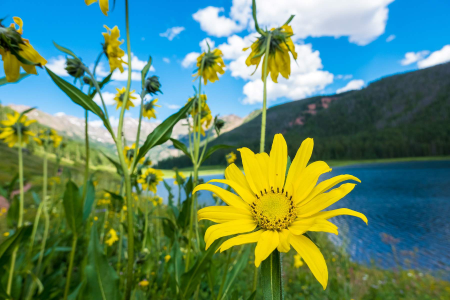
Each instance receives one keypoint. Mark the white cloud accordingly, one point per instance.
(204, 44)
(190, 59)
(60, 114)
(173, 106)
(171, 33)
(57, 65)
(355, 84)
(109, 99)
(436, 58)
(390, 38)
(166, 60)
(136, 63)
(412, 57)
(344, 77)
(361, 21)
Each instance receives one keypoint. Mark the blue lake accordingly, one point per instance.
(408, 207)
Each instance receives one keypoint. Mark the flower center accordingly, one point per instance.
(273, 211)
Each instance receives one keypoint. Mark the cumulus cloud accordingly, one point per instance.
(189, 59)
(390, 38)
(171, 33)
(355, 84)
(436, 58)
(360, 21)
(204, 44)
(412, 57)
(57, 65)
(166, 60)
(344, 77)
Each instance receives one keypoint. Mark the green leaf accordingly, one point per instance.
(26, 111)
(36, 198)
(144, 71)
(3, 294)
(191, 279)
(89, 201)
(14, 240)
(101, 85)
(237, 269)
(177, 262)
(21, 76)
(65, 50)
(102, 281)
(79, 98)
(213, 149)
(117, 200)
(161, 133)
(252, 296)
(180, 146)
(72, 206)
(115, 163)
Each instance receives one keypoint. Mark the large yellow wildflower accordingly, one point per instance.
(120, 97)
(280, 46)
(104, 5)
(276, 210)
(212, 65)
(48, 136)
(13, 47)
(129, 153)
(150, 179)
(112, 48)
(9, 133)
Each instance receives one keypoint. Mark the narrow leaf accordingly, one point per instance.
(65, 50)
(213, 149)
(89, 201)
(21, 76)
(180, 146)
(71, 203)
(144, 71)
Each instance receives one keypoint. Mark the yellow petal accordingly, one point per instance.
(339, 212)
(324, 200)
(19, 22)
(277, 162)
(215, 232)
(241, 240)
(253, 172)
(312, 257)
(284, 245)
(89, 2)
(245, 194)
(222, 214)
(301, 226)
(324, 226)
(307, 180)
(11, 66)
(227, 197)
(104, 6)
(268, 242)
(299, 163)
(328, 184)
(232, 172)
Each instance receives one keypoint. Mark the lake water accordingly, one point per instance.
(408, 207)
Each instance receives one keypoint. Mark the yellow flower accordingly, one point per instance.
(120, 97)
(13, 47)
(95, 218)
(54, 180)
(212, 64)
(129, 152)
(150, 179)
(280, 46)
(9, 133)
(149, 109)
(281, 208)
(167, 258)
(205, 114)
(112, 48)
(144, 283)
(157, 200)
(48, 136)
(106, 200)
(104, 5)
(298, 261)
(181, 176)
(231, 157)
(112, 237)
(3, 211)
(6, 234)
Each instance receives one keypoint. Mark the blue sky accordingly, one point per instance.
(341, 46)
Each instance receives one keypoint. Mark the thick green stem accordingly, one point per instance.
(71, 260)
(138, 135)
(271, 281)
(263, 115)
(86, 168)
(21, 201)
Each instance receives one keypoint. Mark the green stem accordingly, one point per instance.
(141, 111)
(71, 260)
(264, 109)
(86, 168)
(21, 199)
(224, 276)
(99, 91)
(271, 281)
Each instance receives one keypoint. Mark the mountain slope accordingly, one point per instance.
(398, 116)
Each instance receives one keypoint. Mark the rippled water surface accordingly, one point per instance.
(408, 207)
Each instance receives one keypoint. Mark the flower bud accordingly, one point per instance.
(74, 67)
(152, 85)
